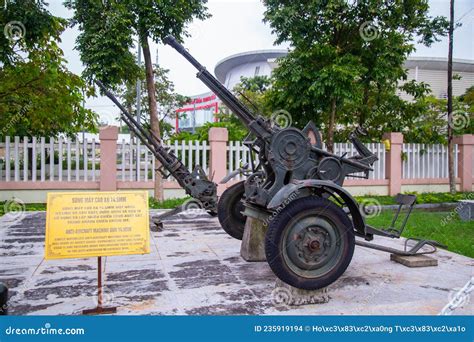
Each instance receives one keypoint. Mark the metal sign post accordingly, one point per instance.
(99, 309)
(97, 224)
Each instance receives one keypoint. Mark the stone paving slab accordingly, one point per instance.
(195, 268)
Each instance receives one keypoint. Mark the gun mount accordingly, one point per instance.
(284, 154)
(195, 183)
(296, 190)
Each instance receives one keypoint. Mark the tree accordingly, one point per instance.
(108, 29)
(39, 96)
(252, 91)
(165, 94)
(236, 131)
(346, 57)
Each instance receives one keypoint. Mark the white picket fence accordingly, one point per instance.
(23, 159)
(238, 155)
(377, 149)
(190, 153)
(63, 159)
(427, 161)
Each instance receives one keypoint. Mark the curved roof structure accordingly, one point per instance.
(224, 66)
(440, 63)
(433, 63)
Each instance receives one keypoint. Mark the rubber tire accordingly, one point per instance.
(276, 228)
(229, 208)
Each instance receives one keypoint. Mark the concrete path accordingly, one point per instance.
(195, 269)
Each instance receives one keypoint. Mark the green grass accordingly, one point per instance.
(166, 204)
(428, 197)
(456, 234)
(153, 204)
(28, 207)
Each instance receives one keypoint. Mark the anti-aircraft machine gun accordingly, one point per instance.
(195, 183)
(296, 189)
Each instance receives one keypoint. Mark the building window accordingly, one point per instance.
(257, 70)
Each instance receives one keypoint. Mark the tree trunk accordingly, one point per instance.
(332, 120)
(364, 109)
(452, 176)
(154, 121)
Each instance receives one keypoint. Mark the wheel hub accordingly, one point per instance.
(313, 247)
(313, 244)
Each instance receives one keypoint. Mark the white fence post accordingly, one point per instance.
(422, 161)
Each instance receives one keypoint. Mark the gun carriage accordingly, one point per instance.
(296, 187)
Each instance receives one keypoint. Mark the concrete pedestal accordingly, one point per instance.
(287, 295)
(414, 260)
(466, 210)
(253, 242)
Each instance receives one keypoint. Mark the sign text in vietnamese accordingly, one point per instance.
(89, 224)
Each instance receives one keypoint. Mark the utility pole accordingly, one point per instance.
(194, 118)
(83, 106)
(138, 113)
(452, 176)
(157, 103)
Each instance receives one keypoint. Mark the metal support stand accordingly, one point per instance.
(99, 310)
(393, 232)
(158, 220)
(412, 251)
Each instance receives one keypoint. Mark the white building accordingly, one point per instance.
(228, 71)
(201, 109)
(433, 71)
(247, 64)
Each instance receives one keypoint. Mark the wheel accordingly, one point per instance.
(229, 211)
(310, 243)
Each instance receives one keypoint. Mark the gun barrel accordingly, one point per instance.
(171, 41)
(147, 138)
(239, 109)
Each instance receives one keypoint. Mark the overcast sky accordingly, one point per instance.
(236, 26)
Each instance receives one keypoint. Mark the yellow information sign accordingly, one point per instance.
(90, 224)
